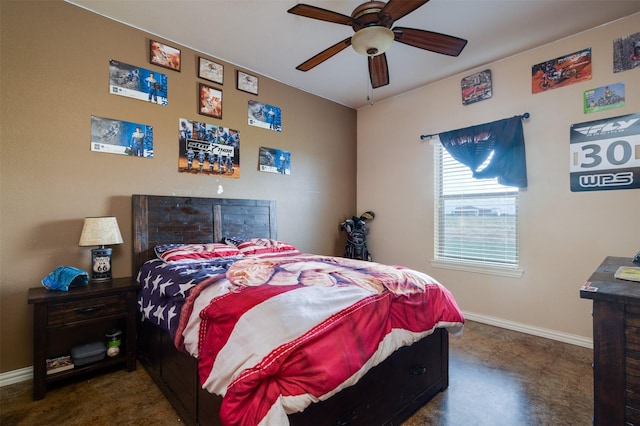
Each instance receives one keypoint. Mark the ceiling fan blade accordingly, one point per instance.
(314, 12)
(378, 70)
(324, 55)
(429, 40)
(396, 9)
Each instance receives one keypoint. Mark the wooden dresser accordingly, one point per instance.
(616, 344)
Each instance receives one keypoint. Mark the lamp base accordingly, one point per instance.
(101, 264)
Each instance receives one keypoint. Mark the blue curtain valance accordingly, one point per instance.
(505, 138)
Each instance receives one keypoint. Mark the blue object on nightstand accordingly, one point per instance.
(64, 277)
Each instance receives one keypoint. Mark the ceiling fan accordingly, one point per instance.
(372, 23)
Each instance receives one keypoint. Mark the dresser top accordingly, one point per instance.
(605, 287)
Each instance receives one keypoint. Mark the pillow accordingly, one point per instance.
(233, 241)
(194, 252)
(263, 245)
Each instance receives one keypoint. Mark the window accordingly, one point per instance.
(476, 220)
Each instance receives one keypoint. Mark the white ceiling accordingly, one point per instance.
(261, 37)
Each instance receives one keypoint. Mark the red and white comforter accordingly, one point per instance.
(277, 332)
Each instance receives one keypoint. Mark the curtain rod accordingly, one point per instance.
(524, 116)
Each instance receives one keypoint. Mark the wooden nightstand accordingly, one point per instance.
(62, 320)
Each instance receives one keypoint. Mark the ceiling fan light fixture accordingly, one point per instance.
(372, 41)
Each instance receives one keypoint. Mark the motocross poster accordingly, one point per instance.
(603, 98)
(476, 87)
(626, 53)
(560, 72)
(265, 116)
(605, 154)
(121, 137)
(206, 149)
(137, 83)
(272, 160)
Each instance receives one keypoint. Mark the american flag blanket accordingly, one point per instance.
(275, 333)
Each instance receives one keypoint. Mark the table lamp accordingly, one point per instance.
(100, 231)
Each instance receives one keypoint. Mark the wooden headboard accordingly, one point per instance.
(169, 219)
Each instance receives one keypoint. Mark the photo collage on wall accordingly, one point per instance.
(208, 149)
(204, 148)
(605, 153)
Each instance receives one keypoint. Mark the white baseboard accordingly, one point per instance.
(24, 374)
(16, 376)
(536, 331)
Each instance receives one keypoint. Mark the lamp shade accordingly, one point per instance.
(100, 231)
(372, 41)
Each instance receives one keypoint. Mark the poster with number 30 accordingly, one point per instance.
(605, 154)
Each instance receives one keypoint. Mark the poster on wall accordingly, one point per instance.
(476, 87)
(207, 149)
(164, 56)
(272, 160)
(137, 83)
(210, 70)
(603, 98)
(210, 101)
(560, 72)
(605, 154)
(121, 137)
(626, 53)
(265, 116)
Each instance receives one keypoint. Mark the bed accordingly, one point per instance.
(387, 390)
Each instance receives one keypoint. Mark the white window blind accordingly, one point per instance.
(476, 220)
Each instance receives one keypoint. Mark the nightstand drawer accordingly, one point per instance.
(82, 310)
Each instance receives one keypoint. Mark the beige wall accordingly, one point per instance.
(564, 235)
(55, 76)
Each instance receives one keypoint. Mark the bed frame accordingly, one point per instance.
(387, 395)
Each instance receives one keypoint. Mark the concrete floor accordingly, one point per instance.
(497, 377)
